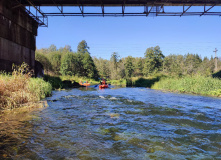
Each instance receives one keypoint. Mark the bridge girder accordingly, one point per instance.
(123, 2)
(151, 8)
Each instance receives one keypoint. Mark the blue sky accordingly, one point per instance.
(131, 36)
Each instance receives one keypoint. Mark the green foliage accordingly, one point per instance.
(173, 64)
(55, 59)
(56, 82)
(40, 88)
(19, 88)
(103, 67)
(68, 64)
(129, 67)
(82, 47)
(138, 67)
(153, 60)
(118, 82)
(196, 85)
(52, 48)
(81, 64)
(44, 61)
(192, 62)
(117, 70)
(90, 70)
(115, 59)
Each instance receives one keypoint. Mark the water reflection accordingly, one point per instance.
(125, 123)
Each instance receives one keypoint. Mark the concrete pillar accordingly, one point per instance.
(18, 33)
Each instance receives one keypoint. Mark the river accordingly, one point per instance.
(116, 123)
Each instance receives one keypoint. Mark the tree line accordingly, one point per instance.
(64, 61)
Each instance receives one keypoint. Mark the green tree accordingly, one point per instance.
(138, 65)
(52, 48)
(85, 62)
(102, 66)
(120, 70)
(67, 48)
(153, 60)
(192, 62)
(89, 66)
(114, 61)
(206, 68)
(68, 64)
(173, 65)
(129, 67)
(44, 61)
(55, 59)
(83, 47)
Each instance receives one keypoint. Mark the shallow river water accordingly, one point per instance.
(117, 123)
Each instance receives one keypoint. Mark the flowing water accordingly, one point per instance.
(117, 123)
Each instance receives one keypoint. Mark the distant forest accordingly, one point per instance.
(64, 61)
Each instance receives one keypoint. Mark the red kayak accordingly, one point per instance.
(103, 86)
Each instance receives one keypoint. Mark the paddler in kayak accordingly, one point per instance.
(103, 82)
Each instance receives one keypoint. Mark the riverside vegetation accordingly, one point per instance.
(183, 73)
(19, 89)
(187, 73)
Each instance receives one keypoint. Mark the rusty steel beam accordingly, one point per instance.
(135, 14)
(119, 2)
(184, 11)
(61, 10)
(206, 11)
(39, 19)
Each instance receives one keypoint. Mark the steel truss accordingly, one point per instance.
(38, 15)
(148, 11)
(151, 8)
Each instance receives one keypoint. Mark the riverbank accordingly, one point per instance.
(62, 82)
(19, 90)
(200, 85)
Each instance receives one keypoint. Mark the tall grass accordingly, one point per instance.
(19, 88)
(78, 79)
(196, 85)
(55, 81)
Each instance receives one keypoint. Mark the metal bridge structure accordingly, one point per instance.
(117, 8)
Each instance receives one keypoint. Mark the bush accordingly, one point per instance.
(19, 88)
(56, 82)
(196, 85)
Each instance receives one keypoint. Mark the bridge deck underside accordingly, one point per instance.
(146, 8)
(121, 2)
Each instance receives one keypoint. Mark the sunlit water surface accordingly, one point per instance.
(117, 123)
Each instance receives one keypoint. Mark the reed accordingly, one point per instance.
(19, 88)
(78, 79)
(196, 85)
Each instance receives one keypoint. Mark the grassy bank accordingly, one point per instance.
(64, 82)
(57, 82)
(19, 89)
(195, 85)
